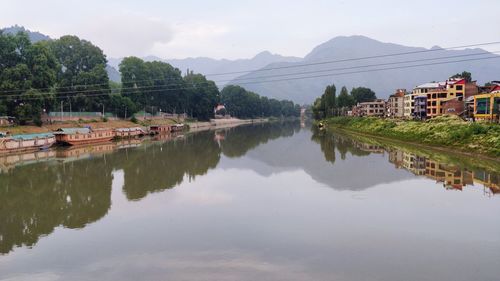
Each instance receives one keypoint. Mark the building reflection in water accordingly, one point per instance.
(71, 187)
(452, 176)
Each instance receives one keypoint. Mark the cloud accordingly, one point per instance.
(193, 38)
(127, 34)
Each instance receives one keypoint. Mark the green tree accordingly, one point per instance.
(154, 85)
(329, 98)
(27, 72)
(202, 96)
(244, 104)
(82, 75)
(465, 74)
(362, 94)
(345, 100)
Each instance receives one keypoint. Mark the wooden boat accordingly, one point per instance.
(129, 132)
(12, 143)
(77, 136)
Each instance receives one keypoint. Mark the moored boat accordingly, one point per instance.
(76, 136)
(159, 129)
(129, 132)
(177, 128)
(11, 143)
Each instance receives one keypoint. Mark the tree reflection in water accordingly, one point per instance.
(76, 190)
(454, 172)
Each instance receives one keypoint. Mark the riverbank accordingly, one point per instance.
(223, 123)
(446, 132)
(114, 124)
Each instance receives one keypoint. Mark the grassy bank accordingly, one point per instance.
(444, 131)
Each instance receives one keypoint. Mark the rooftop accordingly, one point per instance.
(72, 131)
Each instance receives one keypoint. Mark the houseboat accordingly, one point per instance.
(11, 143)
(129, 132)
(77, 136)
(159, 129)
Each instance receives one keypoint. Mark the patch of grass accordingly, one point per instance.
(448, 131)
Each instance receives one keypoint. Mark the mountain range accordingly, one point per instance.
(34, 36)
(208, 66)
(350, 61)
(355, 73)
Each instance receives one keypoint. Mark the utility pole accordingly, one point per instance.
(103, 110)
(61, 111)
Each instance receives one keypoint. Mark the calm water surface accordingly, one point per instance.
(265, 202)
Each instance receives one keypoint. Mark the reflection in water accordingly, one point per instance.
(452, 174)
(72, 187)
(268, 201)
(36, 198)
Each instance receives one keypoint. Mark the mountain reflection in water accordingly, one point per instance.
(71, 188)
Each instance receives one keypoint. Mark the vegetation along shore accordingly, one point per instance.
(442, 131)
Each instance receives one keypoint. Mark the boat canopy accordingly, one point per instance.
(72, 131)
(31, 136)
(129, 129)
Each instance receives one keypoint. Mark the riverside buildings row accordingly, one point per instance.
(454, 96)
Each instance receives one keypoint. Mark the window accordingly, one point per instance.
(460, 87)
(482, 106)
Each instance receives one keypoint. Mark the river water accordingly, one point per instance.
(265, 202)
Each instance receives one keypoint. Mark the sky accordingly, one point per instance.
(241, 29)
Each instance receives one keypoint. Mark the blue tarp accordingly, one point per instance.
(32, 136)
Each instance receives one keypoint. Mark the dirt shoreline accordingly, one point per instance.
(114, 124)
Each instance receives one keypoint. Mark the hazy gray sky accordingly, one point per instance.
(239, 29)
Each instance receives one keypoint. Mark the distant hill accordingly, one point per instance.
(113, 74)
(382, 82)
(34, 36)
(209, 66)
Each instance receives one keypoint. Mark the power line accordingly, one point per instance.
(356, 59)
(290, 66)
(365, 66)
(209, 83)
(265, 81)
(371, 70)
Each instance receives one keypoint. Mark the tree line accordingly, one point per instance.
(245, 104)
(38, 78)
(328, 104)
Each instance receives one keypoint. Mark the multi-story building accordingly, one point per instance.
(420, 107)
(419, 91)
(395, 104)
(487, 105)
(372, 108)
(454, 90)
